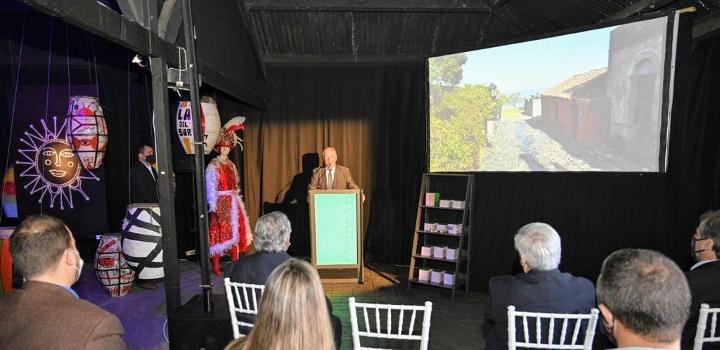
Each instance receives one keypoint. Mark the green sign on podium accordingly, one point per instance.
(336, 230)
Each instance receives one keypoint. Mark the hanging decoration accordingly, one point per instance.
(87, 130)
(111, 269)
(210, 120)
(9, 199)
(54, 170)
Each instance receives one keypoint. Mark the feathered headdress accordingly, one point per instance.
(228, 138)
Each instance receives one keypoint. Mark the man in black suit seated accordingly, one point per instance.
(271, 241)
(541, 288)
(704, 277)
(143, 177)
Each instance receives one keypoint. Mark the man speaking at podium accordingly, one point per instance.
(332, 176)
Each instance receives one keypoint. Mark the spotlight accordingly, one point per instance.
(138, 60)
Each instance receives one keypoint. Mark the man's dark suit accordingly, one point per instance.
(704, 282)
(46, 316)
(256, 269)
(535, 291)
(342, 179)
(142, 184)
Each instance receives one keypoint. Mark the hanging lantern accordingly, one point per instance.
(210, 120)
(87, 131)
(111, 269)
(9, 200)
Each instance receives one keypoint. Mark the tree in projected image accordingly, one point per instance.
(457, 115)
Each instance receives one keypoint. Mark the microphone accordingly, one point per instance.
(319, 178)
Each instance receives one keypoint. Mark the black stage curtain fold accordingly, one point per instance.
(373, 115)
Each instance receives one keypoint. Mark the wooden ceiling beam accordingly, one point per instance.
(369, 5)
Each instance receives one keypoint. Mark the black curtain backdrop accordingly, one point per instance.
(375, 118)
(78, 60)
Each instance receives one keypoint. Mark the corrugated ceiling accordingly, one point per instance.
(309, 30)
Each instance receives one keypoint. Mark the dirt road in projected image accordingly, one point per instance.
(515, 145)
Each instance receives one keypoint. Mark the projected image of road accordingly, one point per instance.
(589, 101)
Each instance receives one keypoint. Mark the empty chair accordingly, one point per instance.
(546, 328)
(386, 321)
(702, 325)
(243, 299)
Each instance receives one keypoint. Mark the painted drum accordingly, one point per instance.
(111, 269)
(6, 276)
(142, 241)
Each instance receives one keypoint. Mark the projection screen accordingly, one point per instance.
(596, 100)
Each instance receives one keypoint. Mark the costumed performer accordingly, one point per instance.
(229, 225)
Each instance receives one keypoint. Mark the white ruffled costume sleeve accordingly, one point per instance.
(211, 185)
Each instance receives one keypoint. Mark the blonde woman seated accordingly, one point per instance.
(293, 314)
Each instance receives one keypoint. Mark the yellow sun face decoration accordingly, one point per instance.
(54, 170)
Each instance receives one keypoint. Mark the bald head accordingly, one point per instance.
(38, 244)
(329, 156)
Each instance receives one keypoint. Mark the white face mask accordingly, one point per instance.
(79, 267)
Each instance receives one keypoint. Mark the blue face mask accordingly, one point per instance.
(150, 158)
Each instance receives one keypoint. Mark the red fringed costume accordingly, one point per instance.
(229, 225)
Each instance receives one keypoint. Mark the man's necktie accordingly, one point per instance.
(330, 179)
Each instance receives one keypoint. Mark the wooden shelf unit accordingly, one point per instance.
(462, 241)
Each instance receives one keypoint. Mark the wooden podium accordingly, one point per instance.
(336, 244)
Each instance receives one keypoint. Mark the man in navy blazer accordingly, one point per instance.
(704, 277)
(271, 240)
(541, 288)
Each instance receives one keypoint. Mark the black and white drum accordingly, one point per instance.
(142, 241)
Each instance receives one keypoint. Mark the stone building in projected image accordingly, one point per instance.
(619, 105)
(635, 69)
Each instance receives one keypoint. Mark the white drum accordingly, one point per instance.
(142, 241)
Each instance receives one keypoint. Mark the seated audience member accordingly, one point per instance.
(45, 313)
(292, 314)
(541, 288)
(704, 277)
(271, 240)
(643, 299)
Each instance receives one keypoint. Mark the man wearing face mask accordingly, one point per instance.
(143, 177)
(704, 276)
(45, 313)
(644, 300)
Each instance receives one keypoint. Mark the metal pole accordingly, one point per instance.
(200, 196)
(161, 124)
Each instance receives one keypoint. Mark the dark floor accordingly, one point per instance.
(454, 325)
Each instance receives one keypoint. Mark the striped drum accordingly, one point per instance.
(111, 269)
(142, 241)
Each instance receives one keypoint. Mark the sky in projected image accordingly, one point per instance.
(535, 64)
(588, 101)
